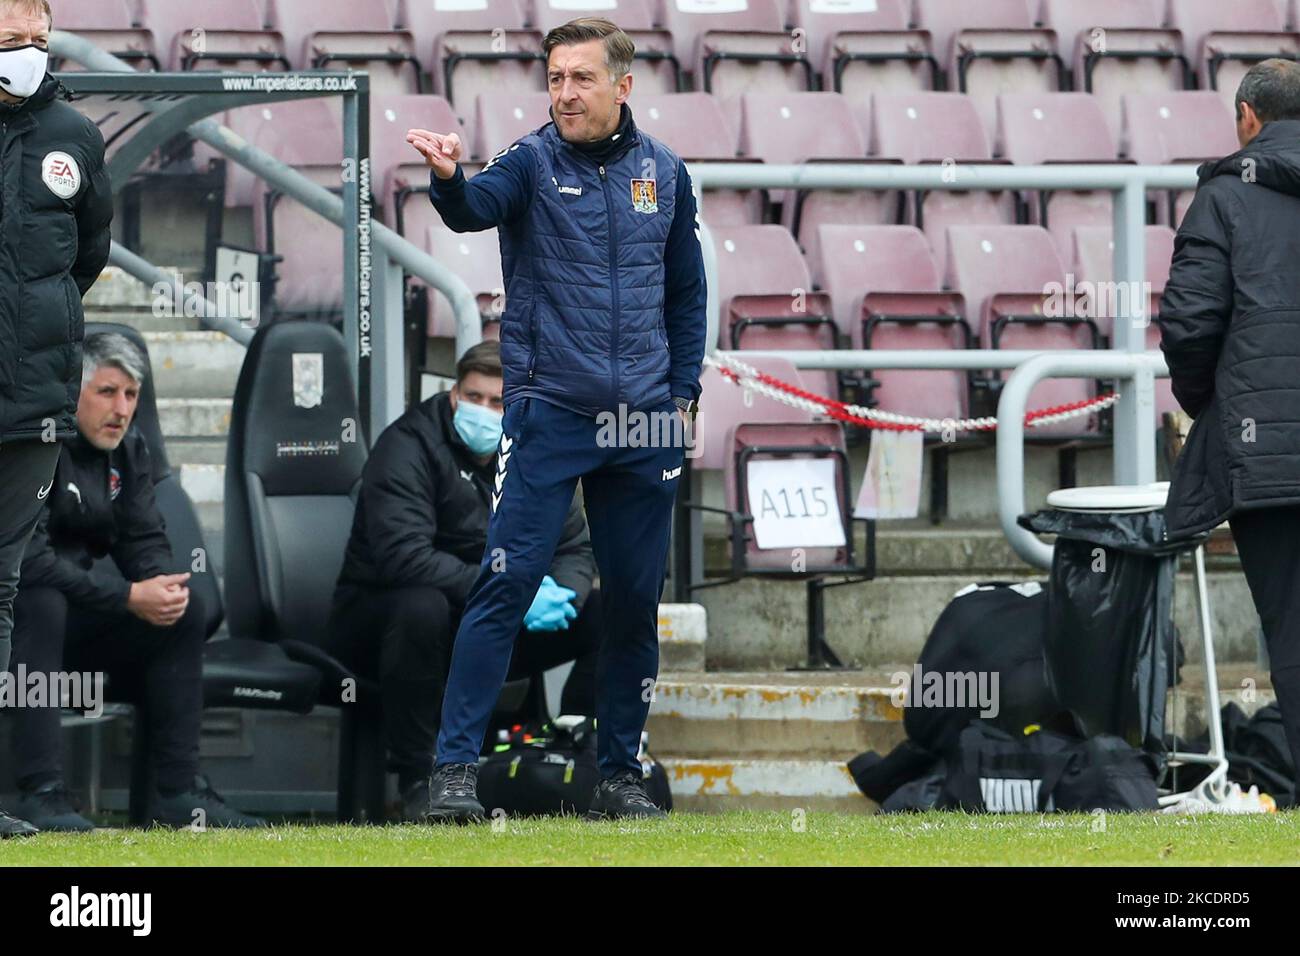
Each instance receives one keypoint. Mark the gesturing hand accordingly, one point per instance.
(441, 151)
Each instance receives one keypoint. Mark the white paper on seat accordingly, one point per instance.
(842, 6)
(891, 487)
(794, 503)
(712, 6)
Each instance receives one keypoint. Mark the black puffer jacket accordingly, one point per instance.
(1230, 332)
(56, 205)
(101, 503)
(422, 514)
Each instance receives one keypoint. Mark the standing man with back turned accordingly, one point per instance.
(56, 206)
(1230, 331)
(605, 312)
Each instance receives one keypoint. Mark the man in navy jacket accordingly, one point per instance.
(601, 344)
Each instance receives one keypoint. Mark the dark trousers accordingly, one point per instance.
(1268, 542)
(157, 667)
(26, 470)
(402, 638)
(628, 491)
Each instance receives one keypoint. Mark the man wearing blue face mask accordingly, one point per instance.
(417, 540)
(56, 205)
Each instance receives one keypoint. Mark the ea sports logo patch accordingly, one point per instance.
(59, 171)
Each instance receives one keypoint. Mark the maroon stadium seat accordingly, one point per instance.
(307, 135)
(766, 299)
(736, 46)
(656, 69)
(1058, 128)
(861, 46)
(750, 442)
(1222, 41)
(693, 126)
(208, 35)
(111, 25)
(473, 48)
(886, 294)
(990, 47)
(934, 128)
(310, 273)
(394, 163)
(341, 34)
(1117, 47)
(476, 258)
(784, 128)
(1005, 274)
(297, 132)
(1094, 261)
(502, 118)
(728, 407)
(1179, 126)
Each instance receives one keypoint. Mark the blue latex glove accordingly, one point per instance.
(551, 610)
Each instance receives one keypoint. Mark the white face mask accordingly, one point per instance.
(22, 68)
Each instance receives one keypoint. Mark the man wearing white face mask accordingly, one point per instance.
(56, 205)
(417, 541)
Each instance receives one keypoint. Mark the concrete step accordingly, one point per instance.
(145, 321)
(115, 289)
(775, 715)
(205, 484)
(195, 451)
(724, 784)
(778, 740)
(194, 417)
(683, 631)
(762, 625)
(194, 364)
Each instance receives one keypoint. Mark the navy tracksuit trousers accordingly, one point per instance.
(628, 491)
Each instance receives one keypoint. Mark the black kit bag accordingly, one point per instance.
(987, 628)
(553, 771)
(1111, 648)
(990, 771)
(1258, 754)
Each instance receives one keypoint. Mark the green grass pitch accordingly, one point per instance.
(739, 839)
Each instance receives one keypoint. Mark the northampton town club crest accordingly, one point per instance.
(643, 195)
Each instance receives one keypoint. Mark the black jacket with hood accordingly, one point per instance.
(422, 513)
(56, 205)
(1230, 332)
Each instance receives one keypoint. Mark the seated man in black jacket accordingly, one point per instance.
(416, 546)
(143, 628)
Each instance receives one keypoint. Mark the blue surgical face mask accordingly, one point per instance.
(479, 427)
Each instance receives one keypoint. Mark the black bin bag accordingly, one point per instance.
(1110, 642)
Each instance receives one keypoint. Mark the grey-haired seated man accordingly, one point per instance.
(144, 629)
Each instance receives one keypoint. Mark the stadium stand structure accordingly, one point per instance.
(758, 81)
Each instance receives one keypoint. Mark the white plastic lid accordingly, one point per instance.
(1119, 499)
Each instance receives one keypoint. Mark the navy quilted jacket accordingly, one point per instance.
(605, 290)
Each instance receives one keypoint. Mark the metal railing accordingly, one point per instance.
(1128, 360)
(390, 253)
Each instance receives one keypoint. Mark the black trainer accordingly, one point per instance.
(622, 795)
(201, 807)
(453, 795)
(48, 808)
(13, 827)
